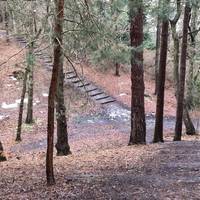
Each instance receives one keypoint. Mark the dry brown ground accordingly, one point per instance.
(102, 166)
(120, 87)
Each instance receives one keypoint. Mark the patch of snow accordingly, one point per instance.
(90, 121)
(13, 105)
(9, 106)
(9, 85)
(122, 94)
(13, 78)
(45, 95)
(18, 100)
(115, 112)
(2, 117)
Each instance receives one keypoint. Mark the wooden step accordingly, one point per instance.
(101, 98)
(95, 93)
(106, 101)
(71, 76)
(47, 61)
(82, 84)
(76, 80)
(69, 72)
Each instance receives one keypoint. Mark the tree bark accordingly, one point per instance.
(190, 129)
(62, 144)
(117, 67)
(138, 124)
(30, 63)
(186, 117)
(189, 126)
(58, 56)
(21, 107)
(158, 133)
(181, 85)
(2, 156)
(7, 23)
(175, 38)
(158, 32)
(192, 53)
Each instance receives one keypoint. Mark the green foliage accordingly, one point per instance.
(148, 42)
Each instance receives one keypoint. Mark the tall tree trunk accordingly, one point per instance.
(181, 85)
(2, 156)
(186, 117)
(7, 22)
(189, 91)
(62, 144)
(175, 38)
(21, 107)
(58, 56)
(158, 133)
(158, 32)
(189, 126)
(138, 124)
(30, 63)
(117, 67)
(190, 129)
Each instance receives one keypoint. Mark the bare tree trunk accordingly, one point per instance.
(181, 86)
(21, 107)
(158, 32)
(117, 67)
(186, 117)
(30, 63)
(175, 38)
(158, 133)
(62, 144)
(138, 124)
(58, 56)
(192, 53)
(7, 23)
(2, 156)
(190, 130)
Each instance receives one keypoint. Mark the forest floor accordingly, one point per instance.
(101, 166)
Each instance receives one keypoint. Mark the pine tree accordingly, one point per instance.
(58, 55)
(158, 133)
(181, 85)
(138, 124)
(62, 144)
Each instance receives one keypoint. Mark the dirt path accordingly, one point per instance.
(160, 172)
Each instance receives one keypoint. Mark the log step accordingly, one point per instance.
(82, 84)
(69, 72)
(101, 98)
(107, 101)
(95, 94)
(71, 76)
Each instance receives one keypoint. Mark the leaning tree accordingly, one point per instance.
(58, 56)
